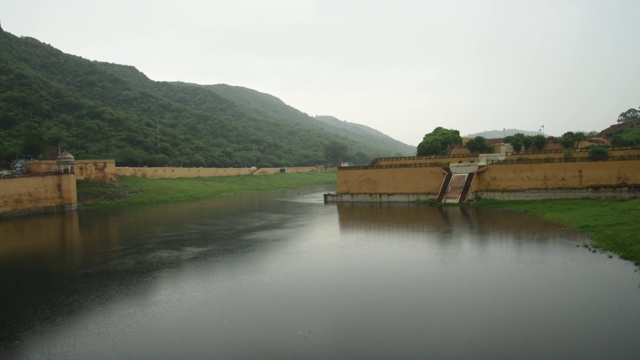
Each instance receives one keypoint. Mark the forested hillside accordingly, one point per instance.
(100, 110)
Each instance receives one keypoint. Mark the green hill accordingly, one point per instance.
(100, 110)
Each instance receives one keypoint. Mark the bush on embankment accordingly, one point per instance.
(130, 191)
(611, 224)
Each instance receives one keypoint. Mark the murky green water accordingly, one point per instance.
(282, 275)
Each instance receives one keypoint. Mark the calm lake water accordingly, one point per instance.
(283, 276)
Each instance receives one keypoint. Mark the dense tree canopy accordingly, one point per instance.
(335, 153)
(100, 110)
(539, 141)
(479, 145)
(519, 142)
(569, 139)
(629, 115)
(598, 152)
(438, 142)
(627, 137)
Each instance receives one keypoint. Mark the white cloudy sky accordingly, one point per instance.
(402, 67)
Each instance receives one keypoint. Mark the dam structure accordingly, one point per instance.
(465, 178)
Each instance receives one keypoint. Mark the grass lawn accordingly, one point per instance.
(613, 225)
(139, 191)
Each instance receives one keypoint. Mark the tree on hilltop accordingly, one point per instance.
(519, 141)
(539, 141)
(569, 139)
(479, 144)
(629, 115)
(438, 142)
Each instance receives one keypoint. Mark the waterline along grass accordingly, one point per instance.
(613, 225)
(130, 191)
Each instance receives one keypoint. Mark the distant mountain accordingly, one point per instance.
(499, 134)
(101, 110)
(366, 134)
(265, 106)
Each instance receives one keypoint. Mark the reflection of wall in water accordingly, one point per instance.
(444, 220)
(41, 238)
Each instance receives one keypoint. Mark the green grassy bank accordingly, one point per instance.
(130, 191)
(613, 225)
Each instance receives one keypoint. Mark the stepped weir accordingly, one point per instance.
(457, 182)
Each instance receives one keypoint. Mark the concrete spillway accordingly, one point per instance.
(455, 187)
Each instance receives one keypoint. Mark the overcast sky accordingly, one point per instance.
(401, 67)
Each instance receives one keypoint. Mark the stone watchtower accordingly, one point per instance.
(65, 163)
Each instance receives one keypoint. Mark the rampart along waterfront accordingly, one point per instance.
(511, 177)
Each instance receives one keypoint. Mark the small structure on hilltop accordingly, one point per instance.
(65, 163)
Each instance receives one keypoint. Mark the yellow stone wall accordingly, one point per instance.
(426, 160)
(38, 193)
(172, 172)
(497, 177)
(419, 180)
(566, 175)
(104, 170)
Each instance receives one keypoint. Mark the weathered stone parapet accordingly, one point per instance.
(384, 198)
(103, 170)
(38, 194)
(602, 192)
(617, 179)
(176, 172)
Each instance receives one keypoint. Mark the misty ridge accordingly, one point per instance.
(98, 110)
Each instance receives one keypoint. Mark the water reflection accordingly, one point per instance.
(57, 265)
(45, 237)
(446, 220)
(282, 275)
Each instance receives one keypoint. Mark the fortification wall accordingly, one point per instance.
(104, 170)
(551, 151)
(426, 160)
(418, 180)
(173, 172)
(602, 179)
(37, 193)
(577, 153)
(601, 192)
(566, 175)
(271, 171)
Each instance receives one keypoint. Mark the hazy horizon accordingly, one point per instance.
(401, 67)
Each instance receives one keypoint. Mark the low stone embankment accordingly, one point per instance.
(43, 190)
(513, 181)
(106, 170)
(173, 173)
(37, 194)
